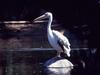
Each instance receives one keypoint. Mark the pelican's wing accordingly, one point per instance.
(61, 38)
(63, 42)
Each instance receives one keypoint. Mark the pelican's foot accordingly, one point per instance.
(58, 55)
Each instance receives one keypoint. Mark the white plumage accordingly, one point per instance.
(57, 40)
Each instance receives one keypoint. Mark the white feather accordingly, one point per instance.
(64, 41)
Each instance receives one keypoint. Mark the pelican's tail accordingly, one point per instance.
(67, 51)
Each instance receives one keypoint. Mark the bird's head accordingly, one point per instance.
(44, 16)
(48, 14)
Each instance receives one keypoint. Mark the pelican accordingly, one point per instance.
(57, 40)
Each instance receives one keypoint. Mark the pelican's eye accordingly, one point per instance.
(46, 14)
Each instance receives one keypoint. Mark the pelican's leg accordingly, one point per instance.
(58, 54)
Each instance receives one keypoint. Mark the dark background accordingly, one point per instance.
(69, 13)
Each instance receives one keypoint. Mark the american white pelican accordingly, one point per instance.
(57, 40)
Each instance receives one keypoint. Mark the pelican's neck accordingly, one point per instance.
(49, 24)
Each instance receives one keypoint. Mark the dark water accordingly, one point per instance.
(23, 62)
(32, 63)
(32, 69)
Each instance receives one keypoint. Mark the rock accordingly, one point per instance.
(58, 66)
